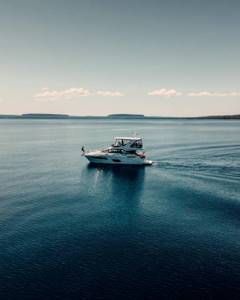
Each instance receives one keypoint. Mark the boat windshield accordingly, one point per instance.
(137, 144)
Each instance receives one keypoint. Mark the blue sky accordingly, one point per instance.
(170, 58)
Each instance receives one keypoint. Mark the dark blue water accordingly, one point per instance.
(71, 231)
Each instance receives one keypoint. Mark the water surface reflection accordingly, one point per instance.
(127, 181)
(121, 186)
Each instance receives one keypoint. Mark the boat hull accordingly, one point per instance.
(99, 158)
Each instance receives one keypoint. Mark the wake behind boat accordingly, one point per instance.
(124, 151)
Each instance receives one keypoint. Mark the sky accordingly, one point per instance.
(99, 57)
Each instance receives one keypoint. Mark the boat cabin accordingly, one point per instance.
(130, 144)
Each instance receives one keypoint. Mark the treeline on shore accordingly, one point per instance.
(112, 116)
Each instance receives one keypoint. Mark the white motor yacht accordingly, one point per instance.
(124, 151)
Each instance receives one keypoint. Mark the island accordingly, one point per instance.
(126, 116)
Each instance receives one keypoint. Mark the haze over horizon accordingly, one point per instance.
(176, 58)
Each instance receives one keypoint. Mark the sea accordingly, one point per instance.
(69, 230)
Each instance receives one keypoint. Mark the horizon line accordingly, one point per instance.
(113, 116)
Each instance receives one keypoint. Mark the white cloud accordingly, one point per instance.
(110, 93)
(165, 93)
(213, 94)
(47, 95)
(173, 93)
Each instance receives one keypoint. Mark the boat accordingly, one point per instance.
(124, 151)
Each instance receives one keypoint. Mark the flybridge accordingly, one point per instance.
(130, 144)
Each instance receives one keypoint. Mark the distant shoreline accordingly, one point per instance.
(34, 116)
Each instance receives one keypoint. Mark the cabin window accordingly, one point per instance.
(115, 151)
